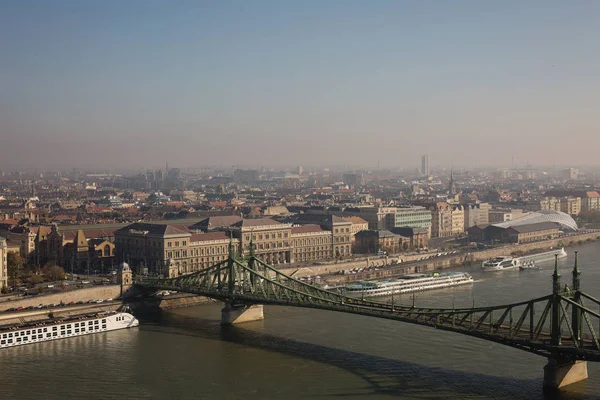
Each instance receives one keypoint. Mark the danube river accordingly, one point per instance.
(301, 353)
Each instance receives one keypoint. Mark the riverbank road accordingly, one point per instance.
(79, 308)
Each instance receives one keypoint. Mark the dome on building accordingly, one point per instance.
(124, 266)
(565, 221)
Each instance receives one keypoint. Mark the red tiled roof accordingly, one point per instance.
(593, 194)
(356, 220)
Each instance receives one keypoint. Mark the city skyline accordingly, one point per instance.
(342, 83)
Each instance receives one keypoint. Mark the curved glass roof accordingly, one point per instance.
(565, 221)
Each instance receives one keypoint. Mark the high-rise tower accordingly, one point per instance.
(425, 164)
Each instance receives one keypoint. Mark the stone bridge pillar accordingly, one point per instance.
(241, 313)
(559, 374)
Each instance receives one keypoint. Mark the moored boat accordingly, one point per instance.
(529, 266)
(406, 284)
(500, 264)
(41, 331)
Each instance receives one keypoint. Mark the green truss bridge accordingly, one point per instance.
(560, 326)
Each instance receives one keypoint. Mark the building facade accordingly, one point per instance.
(413, 217)
(3, 263)
(172, 251)
(590, 202)
(571, 205)
(358, 224)
(441, 220)
(370, 242)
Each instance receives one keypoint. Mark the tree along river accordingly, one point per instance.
(298, 353)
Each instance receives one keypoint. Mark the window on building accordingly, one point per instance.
(169, 244)
(177, 244)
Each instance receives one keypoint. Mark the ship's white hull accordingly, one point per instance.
(65, 329)
(500, 268)
(388, 291)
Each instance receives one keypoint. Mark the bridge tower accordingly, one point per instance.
(561, 372)
(234, 312)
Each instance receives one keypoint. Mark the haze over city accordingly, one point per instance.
(134, 84)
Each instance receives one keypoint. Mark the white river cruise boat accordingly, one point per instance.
(504, 263)
(69, 327)
(500, 264)
(407, 284)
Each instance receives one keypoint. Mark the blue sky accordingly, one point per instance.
(137, 83)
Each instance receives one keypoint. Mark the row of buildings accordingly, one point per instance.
(165, 248)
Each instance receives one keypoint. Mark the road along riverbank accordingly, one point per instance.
(455, 260)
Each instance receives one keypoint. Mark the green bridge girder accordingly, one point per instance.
(559, 326)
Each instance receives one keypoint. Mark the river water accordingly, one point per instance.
(300, 353)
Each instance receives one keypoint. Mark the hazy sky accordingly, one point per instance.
(137, 83)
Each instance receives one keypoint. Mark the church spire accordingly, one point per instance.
(451, 187)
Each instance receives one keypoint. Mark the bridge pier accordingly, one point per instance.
(237, 314)
(559, 374)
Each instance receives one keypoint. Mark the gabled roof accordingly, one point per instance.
(80, 240)
(296, 230)
(317, 219)
(157, 230)
(201, 237)
(90, 233)
(249, 223)
(356, 220)
(216, 222)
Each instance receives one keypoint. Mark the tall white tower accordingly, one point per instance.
(425, 164)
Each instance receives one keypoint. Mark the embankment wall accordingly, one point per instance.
(92, 293)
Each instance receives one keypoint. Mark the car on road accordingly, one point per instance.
(50, 286)
(30, 308)
(85, 282)
(99, 301)
(19, 308)
(71, 303)
(79, 302)
(11, 309)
